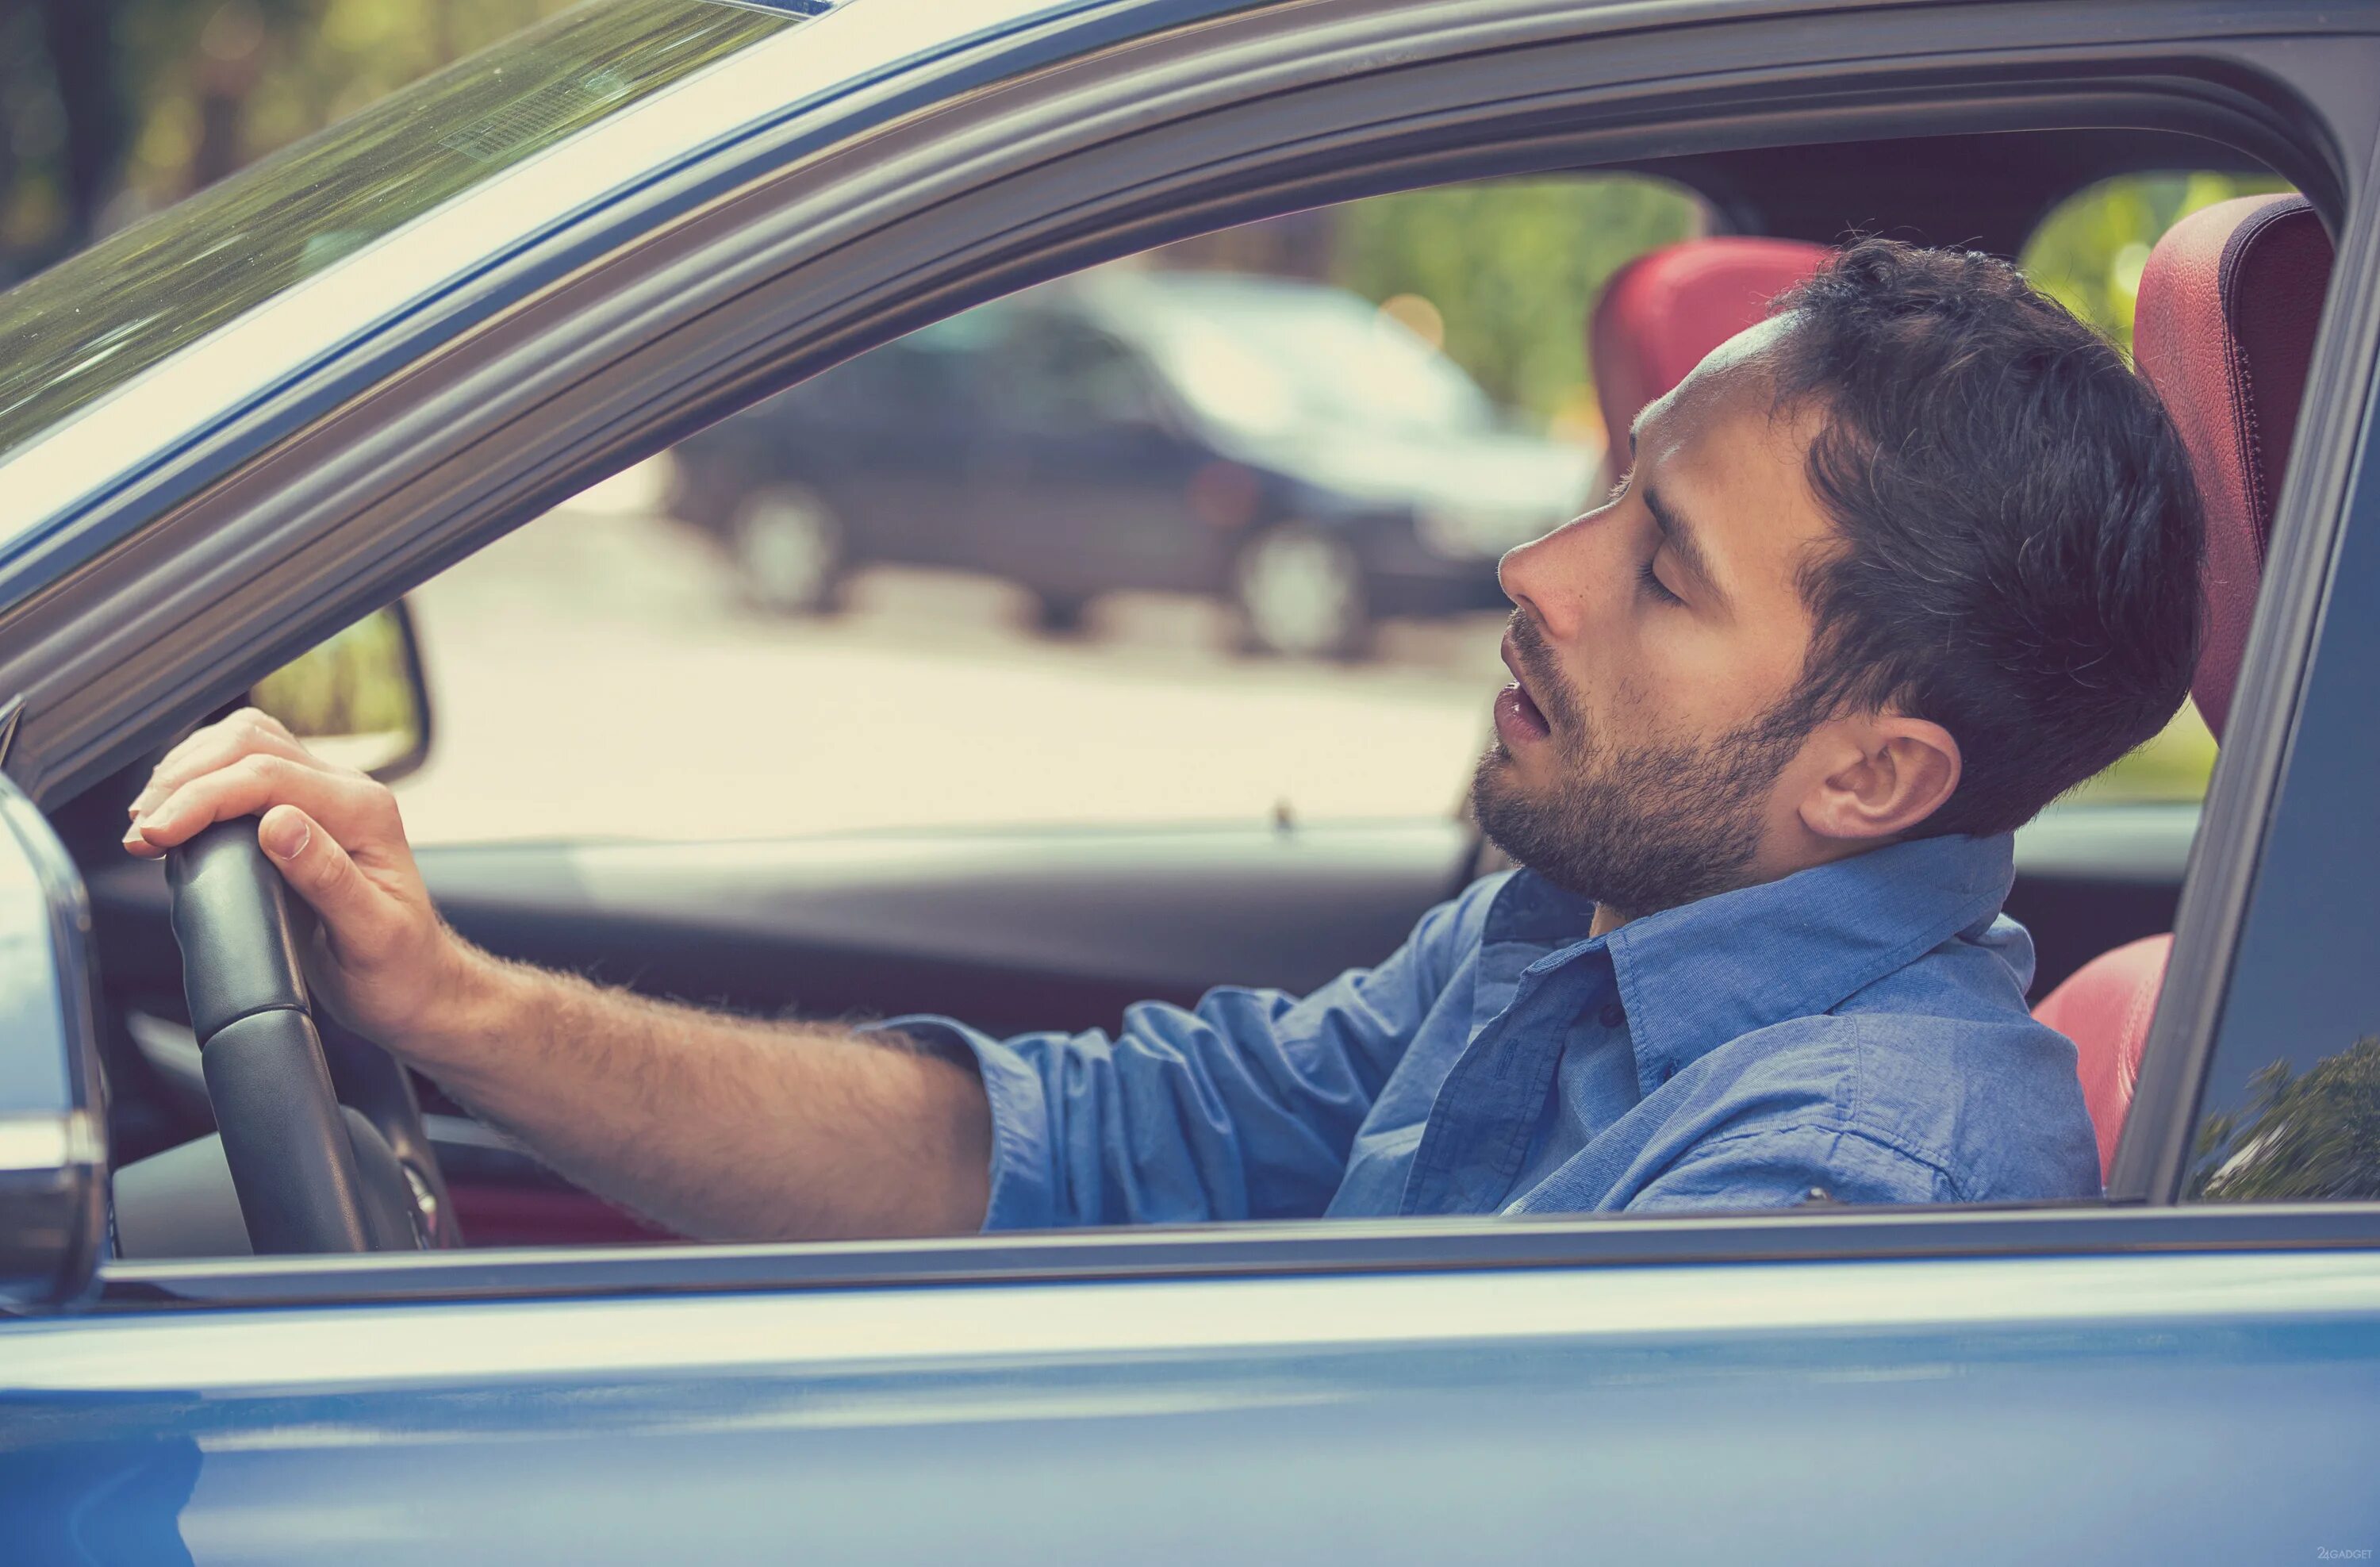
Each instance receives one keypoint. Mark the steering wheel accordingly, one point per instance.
(313, 1174)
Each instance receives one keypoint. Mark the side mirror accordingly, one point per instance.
(53, 1135)
(360, 697)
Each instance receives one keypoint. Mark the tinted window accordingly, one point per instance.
(2291, 1106)
(92, 323)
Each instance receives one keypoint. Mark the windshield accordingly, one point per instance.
(1271, 359)
(96, 321)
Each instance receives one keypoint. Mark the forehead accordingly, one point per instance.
(1721, 452)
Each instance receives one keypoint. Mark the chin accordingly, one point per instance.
(1497, 786)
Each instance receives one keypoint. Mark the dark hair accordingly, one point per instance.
(2018, 531)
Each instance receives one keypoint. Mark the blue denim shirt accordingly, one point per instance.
(1859, 1027)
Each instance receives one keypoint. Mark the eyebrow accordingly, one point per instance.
(1683, 542)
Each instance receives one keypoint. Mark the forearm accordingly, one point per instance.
(720, 1127)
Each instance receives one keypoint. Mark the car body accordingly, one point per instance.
(195, 501)
(1277, 444)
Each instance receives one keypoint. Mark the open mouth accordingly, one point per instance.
(1519, 720)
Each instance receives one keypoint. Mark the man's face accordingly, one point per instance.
(1645, 755)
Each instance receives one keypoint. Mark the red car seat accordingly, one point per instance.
(1664, 310)
(2224, 331)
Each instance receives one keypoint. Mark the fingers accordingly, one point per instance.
(248, 731)
(313, 862)
(361, 814)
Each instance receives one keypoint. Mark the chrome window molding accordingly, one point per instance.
(1314, 1248)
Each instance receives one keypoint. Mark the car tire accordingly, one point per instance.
(788, 548)
(1060, 614)
(1299, 591)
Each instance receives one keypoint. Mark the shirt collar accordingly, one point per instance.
(1692, 977)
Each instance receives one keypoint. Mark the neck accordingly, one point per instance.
(1607, 920)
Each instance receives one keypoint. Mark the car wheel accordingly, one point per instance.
(1300, 593)
(1060, 614)
(789, 551)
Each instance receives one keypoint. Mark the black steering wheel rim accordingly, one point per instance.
(312, 1174)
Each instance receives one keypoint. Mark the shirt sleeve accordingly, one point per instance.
(1783, 1166)
(1243, 1107)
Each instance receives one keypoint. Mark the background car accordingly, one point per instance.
(1284, 444)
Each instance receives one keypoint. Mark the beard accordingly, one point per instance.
(1638, 828)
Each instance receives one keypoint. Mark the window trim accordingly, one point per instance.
(1302, 1248)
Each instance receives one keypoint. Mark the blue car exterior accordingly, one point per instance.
(2143, 1380)
(2166, 1408)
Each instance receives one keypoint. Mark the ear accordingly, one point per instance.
(1898, 771)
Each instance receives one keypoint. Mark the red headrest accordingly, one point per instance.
(2224, 331)
(2104, 1008)
(1664, 310)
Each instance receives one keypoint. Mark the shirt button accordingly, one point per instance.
(1613, 1017)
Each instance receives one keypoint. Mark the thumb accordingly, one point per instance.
(312, 861)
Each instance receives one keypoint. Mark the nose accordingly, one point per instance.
(1551, 578)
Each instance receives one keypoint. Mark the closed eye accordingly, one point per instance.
(1653, 585)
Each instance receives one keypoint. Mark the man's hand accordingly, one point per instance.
(715, 1125)
(387, 963)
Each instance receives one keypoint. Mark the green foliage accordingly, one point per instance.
(2314, 1137)
(305, 63)
(2172, 765)
(2089, 252)
(191, 89)
(1512, 267)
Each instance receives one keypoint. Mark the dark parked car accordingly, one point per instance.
(1283, 444)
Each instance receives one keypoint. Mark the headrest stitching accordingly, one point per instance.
(2249, 427)
(2251, 440)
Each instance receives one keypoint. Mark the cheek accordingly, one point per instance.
(1693, 680)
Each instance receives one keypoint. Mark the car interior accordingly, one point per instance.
(1023, 929)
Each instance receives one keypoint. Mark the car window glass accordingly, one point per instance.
(2088, 254)
(164, 283)
(2290, 1106)
(1262, 587)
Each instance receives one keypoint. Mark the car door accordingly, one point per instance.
(2179, 1382)
(1861, 1392)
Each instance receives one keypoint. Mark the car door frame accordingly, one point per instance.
(816, 258)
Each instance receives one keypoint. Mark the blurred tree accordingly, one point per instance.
(1512, 268)
(62, 124)
(2311, 1138)
(81, 38)
(110, 108)
(2089, 252)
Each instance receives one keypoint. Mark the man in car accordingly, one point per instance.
(1892, 570)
